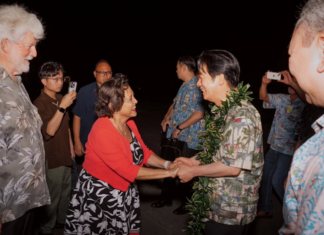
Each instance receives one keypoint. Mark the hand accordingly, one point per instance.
(173, 172)
(175, 134)
(173, 165)
(164, 123)
(288, 79)
(188, 161)
(285, 183)
(68, 99)
(185, 173)
(72, 153)
(78, 148)
(265, 80)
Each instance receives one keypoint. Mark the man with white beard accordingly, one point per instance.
(22, 159)
(303, 202)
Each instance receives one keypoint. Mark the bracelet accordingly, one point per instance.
(166, 164)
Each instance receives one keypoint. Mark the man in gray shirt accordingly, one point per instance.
(22, 158)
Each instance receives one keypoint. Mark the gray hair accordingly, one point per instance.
(312, 18)
(15, 21)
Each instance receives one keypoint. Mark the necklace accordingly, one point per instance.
(122, 132)
(56, 103)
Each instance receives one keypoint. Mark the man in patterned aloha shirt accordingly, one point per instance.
(185, 119)
(237, 167)
(22, 157)
(303, 202)
(282, 141)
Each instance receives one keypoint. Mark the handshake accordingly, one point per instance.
(183, 168)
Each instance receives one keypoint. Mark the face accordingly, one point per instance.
(305, 65)
(102, 73)
(179, 70)
(208, 85)
(22, 52)
(129, 107)
(55, 83)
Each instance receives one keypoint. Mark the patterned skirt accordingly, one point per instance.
(98, 208)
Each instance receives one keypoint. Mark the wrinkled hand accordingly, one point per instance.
(164, 124)
(188, 161)
(266, 80)
(288, 79)
(68, 99)
(175, 134)
(185, 173)
(78, 148)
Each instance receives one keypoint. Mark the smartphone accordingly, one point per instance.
(72, 86)
(274, 76)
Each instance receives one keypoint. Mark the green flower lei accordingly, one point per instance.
(199, 205)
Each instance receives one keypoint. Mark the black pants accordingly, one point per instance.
(213, 228)
(168, 186)
(22, 226)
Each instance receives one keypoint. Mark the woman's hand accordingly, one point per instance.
(173, 165)
(173, 172)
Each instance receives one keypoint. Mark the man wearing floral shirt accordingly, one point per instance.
(303, 203)
(281, 139)
(186, 123)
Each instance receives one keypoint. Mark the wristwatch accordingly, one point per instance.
(62, 110)
(179, 128)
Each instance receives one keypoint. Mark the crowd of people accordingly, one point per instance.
(38, 149)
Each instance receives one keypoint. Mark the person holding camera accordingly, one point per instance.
(59, 150)
(281, 139)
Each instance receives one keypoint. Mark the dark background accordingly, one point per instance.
(143, 39)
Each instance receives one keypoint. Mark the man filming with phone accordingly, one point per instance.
(59, 150)
(281, 137)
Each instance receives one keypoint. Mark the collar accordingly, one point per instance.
(318, 124)
(48, 97)
(4, 74)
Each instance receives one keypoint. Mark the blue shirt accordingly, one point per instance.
(282, 134)
(187, 101)
(85, 109)
(303, 203)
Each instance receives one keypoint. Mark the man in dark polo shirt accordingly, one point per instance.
(84, 109)
(58, 144)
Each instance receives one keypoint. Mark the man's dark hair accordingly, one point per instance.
(50, 69)
(101, 61)
(111, 92)
(189, 62)
(220, 62)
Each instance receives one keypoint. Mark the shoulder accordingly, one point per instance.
(38, 100)
(88, 87)
(246, 113)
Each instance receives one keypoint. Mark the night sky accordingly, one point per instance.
(143, 39)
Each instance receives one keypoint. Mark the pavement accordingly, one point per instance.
(161, 221)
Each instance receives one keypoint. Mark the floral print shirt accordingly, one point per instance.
(187, 101)
(22, 157)
(303, 203)
(282, 134)
(234, 199)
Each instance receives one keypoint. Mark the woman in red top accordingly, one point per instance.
(106, 200)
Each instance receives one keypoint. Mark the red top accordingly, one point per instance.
(108, 155)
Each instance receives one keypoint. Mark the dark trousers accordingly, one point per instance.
(213, 228)
(22, 226)
(168, 185)
(275, 172)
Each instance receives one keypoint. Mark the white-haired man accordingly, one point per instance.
(22, 159)
(304, 196)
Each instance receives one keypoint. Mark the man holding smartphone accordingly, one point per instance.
(281, 139)
(59, 150)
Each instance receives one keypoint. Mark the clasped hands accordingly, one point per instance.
(183, 168)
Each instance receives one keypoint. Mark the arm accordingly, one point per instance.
(55, 122)
(155, 161)
(167, 118)
(150, 174)
(71, 145)
(195, 117)
(79, 150)
(291, 81)
(263, 93)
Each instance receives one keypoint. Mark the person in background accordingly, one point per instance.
(106, 199)
(185, 119)
(282, 142)
(58, 143)
(22, 158)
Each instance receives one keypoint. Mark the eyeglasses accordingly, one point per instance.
(63, 80)
(104, 73)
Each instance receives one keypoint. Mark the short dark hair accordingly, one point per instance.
(101, 61)
(220, 62)
(50, 69)
(111, 92)
(189, 62)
